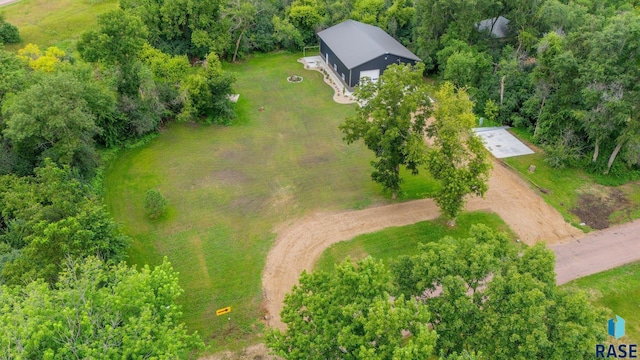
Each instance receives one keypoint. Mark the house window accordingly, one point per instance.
(343, 77)
(335, 67)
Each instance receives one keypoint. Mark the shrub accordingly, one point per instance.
(8, 33)
(155, 204)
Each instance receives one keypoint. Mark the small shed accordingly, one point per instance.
(355, 50)
(498, 26)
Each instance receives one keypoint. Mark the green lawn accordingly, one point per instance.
(619, 291)
(54, 22)
(229, 186)
(391, 242)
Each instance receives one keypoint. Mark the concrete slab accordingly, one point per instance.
(501, 143)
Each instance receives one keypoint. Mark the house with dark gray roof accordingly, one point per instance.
(498, 26)
(355, 50)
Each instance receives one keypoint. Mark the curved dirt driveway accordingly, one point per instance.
(300, 243)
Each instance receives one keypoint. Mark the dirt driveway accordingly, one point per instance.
(300, 242)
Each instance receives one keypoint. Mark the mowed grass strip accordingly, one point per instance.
(392, 242)
(618, 290)
(229, 187)
(54, 22)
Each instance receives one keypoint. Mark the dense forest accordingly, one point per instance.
(566, 71)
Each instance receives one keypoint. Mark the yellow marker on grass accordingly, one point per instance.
(223, 311)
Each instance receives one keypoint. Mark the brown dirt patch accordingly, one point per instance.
(300, 242)
(596, 204)
(316, 159)
(227, 177)
(250, 204)
(255, 352)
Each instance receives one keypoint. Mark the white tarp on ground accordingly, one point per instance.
(501, 143)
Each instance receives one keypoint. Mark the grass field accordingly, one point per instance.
(229, 186)
(392, 242)
(619, 291)
(60, 23)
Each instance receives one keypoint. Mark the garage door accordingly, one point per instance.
(373, 75)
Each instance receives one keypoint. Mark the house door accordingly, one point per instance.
(326, 58)
(373, 75)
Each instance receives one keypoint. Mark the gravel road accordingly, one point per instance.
(598, 251)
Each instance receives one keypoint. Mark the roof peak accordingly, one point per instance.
(355, 43)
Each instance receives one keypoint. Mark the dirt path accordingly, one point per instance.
(301, 242)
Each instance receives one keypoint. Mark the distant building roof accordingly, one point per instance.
(498, 26)
(356, 43)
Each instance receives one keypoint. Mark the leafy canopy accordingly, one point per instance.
(391, 120)
(457, 158)
(56, 118)
(96, 312)
(351, 314)
(50, 217)
(489, 298)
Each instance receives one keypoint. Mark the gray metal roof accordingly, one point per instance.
(356, 43)
(499, 26)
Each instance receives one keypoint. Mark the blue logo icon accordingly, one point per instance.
(616, 328)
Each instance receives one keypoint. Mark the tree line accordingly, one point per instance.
(62, 108)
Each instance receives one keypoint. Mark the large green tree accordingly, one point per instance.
(610, 87)
(368, 11)
(457, 157)
(56, 118)
(48, 218)
(398, 20)
(487, 297)
(14, 78)
(118, 41)
(391, 119)
(239, 16)
(352, 313)
(96, 312)
(440, 21)
(9, 34)
(305, 15)
(178, 27)
(208, 93)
